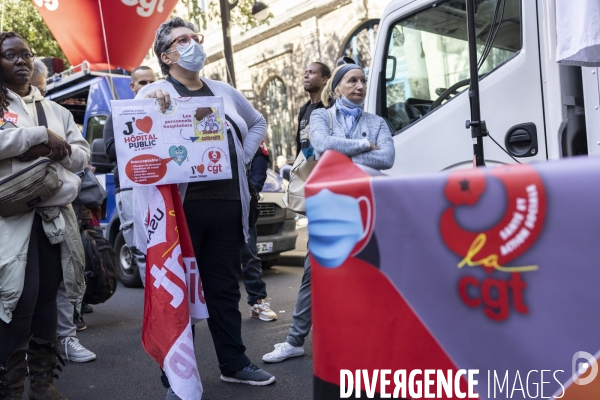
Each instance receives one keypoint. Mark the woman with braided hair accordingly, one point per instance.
(41, 247)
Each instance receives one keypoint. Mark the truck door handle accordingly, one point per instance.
(521, 140)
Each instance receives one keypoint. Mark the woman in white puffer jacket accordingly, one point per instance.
(40, 247)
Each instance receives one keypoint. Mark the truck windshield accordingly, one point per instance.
(428, 57)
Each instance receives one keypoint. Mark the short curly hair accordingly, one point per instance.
(161, 41)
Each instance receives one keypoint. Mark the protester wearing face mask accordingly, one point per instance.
(362, 136)
(367, 140)
(216, 211)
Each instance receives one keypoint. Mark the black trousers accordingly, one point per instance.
(217, 236)
(35, 313)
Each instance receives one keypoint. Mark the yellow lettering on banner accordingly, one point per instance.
(490, 261)
(172, 213)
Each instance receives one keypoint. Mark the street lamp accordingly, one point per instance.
(259, 11)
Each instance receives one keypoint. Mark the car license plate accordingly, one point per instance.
(264, 247)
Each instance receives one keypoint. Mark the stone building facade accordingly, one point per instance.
(270, 60)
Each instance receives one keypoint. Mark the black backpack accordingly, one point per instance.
(100, 267)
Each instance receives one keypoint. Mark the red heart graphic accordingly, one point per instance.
(201, 168)
(214, 156)
(144, 124)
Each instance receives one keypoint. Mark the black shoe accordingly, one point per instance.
(250, 375)
(86, 309)
(79, 323)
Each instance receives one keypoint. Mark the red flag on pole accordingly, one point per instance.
(174, 295)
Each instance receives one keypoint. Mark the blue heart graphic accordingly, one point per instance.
(178, 154)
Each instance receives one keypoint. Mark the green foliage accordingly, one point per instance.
(22, 17)
(240, 15)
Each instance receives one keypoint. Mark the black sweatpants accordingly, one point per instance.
(217, 236)
(35, 313)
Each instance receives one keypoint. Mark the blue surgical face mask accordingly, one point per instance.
(191, 57)
(335, 226)
(350, 104)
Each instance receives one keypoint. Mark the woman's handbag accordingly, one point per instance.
(294, 196)
(24, 190)
(91, 192)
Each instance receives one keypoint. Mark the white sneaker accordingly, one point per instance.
(262, 310)
(283, 351)
(72, 350)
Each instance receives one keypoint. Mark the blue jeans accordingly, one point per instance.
(252, 270)
(302, 317)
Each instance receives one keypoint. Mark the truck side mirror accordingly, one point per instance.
(390, 69)
(99, 159)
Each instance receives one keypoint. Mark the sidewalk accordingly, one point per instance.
(295, 258)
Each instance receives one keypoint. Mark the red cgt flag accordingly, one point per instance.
(174, 295)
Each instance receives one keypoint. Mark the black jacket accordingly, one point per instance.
(258, 171)
(109, 147)
(300, 115)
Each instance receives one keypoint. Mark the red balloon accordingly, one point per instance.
(129, 26)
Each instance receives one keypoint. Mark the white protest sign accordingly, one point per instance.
(185, 144)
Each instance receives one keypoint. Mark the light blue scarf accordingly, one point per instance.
(350, 111)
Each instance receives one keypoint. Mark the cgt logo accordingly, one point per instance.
(10, 117)
(214, 156)
(211, 160)
(496, 247)
(145, 7)
(51, 5)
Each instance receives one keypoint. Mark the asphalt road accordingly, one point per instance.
(124, 371)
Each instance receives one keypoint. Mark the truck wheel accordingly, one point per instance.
(127, 270)
(269, 263)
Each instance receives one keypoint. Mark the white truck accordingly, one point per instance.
(535, 108)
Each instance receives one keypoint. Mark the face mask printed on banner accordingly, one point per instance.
(191, 57)
(335, 226)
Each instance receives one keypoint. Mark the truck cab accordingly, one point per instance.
(535, 108)
(87, 94)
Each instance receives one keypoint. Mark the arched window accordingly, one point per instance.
(361, 44)
(279, 128)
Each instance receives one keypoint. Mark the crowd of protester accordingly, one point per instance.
(42, 309)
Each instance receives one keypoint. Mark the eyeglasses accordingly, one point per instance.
(185, 40)
(14, 56)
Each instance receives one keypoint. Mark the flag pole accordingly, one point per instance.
(110, 80)
(477, 126)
